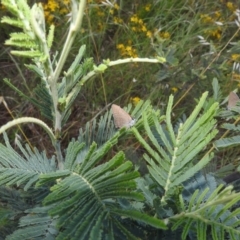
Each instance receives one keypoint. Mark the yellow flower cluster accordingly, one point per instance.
(236, 76)
(148, 7)
(216, 31)
(135, 100)
(174, 89)
(98, 13)
(114, 9)
(114, 12)
(137, 25)
(206, 18)
(55, 8)
(164, 35)
(215, 16)
(235, 57)
(161, 36)
(117, 20)
(127, 51)
(231, 6)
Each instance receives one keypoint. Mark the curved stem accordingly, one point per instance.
(29, 120)
(120, 61)
(55, 143)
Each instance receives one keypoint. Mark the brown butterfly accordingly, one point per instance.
(232, 100)
(121, 117)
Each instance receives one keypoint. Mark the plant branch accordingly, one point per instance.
(29, 120)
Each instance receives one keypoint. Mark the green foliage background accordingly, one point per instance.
(164, 178)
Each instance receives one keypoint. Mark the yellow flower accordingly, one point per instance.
(165, 35)
(129, 41)
(134, 29)
(50, 18)
(63, 11)
(52, 5)
(66, 2)
(148, 7)
(174, 89)
(100, 13)
(120, 46)
(206, 19)
(117, 20)
(116, 6)
(236, 77)
(100, 27)
(47, 14)
(235, 57)
(144, 29)
(217, 14)
(149, 34)
(140, 21)
(134, 18)
(216, 33)
(231, 6)
(127, 51)
(128, 48)
(135, 100)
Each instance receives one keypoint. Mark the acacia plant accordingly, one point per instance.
(83, 193)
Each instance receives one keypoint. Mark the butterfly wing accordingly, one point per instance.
(232, 100)
(121, 117)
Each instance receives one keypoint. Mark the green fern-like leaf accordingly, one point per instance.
(12, 21)
(86, 199)
(29, 54)
(98, 132)
(211, 210)
(20, 36)
(172, 164)
(15, 203)
(71, 83)
(50, 36)
(231, 127)
(43, 101)
(18, 170)
(227, 142)
(217, 94)
(32, 23)
(25, 44)
(36, 225)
